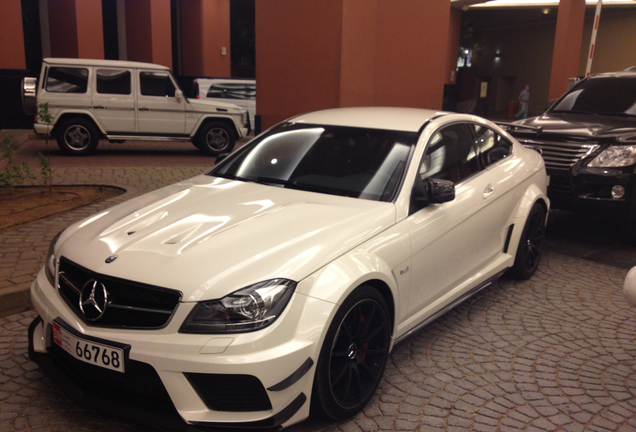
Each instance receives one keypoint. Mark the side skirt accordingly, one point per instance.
(450, 306)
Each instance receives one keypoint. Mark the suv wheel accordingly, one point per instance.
(215, 138)
(77, 136)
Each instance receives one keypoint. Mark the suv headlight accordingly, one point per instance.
(49, 265)
(247, 309)
(615, 156)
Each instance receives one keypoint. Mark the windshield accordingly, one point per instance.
(353, 162)
(603, 96)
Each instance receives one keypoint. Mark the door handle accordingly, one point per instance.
(144, 109)
(98, 107)
(490, 189)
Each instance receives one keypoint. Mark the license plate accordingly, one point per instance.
(97, 354)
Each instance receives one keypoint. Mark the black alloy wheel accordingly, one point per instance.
(353, 356)
(530, 244)
(215, 138)
(77, 136)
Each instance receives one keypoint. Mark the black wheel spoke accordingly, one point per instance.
(358, 354)
(336, 380)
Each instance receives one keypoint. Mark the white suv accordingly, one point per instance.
(239, 91)
(122, 100)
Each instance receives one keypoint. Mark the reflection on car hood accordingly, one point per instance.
(209, 236)
(582, 125)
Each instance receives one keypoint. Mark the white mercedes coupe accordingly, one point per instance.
(276, 284)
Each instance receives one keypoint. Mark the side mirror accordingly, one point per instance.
(440, 191)
(179, 95)
(431, 191)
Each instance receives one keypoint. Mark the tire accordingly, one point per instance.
(215, 138)
(77, 137)
(530, 244)
(353, 356)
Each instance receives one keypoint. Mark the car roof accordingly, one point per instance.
(103, 63)
(402, 119)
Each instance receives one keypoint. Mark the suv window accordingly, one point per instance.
(228, 91)
(492, 146)
(156, 84)
(67, 80)
(603, 95)
(450, 155)
(113, 81)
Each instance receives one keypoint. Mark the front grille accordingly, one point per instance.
(561, 155)
(130, 304)
(237, 393)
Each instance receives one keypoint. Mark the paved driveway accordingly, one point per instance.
(557, 352)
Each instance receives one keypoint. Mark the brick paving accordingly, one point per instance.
(555, 353)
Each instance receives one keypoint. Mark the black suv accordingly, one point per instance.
(588, 141)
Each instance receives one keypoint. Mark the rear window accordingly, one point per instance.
(67, 80)
(228, 91)
(605, 96)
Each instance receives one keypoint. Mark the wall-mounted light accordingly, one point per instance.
(545, 11)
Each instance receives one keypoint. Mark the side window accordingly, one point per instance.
(67, 80)
(113, 81)
(227, 91)
(492, 146)
(450, 155)
(156, 84)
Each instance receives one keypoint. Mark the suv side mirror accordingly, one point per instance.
(178, 94)
(431, 191)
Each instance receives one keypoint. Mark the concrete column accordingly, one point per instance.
(567, 45)
(11, 36)
(76, 28)
(149, 31)
(312, 55)
(205, 38)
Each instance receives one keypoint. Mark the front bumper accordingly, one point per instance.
(160, 384)
(589, 189)
(42, 129)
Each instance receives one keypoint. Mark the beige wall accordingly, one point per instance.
(526, 53)
(615, 42)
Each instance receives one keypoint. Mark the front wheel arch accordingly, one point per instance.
(200, 141)
(353, 355)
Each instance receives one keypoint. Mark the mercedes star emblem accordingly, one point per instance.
(93, 300)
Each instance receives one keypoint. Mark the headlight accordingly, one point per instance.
(615, 156)
(248, 309)
(49, 265)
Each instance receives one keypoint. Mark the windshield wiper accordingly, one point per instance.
(617, 114)
(303, 186)
(573, 112)
(232, 177)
